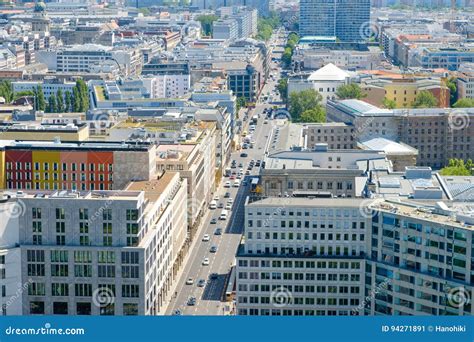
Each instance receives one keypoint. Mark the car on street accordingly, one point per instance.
(230, 200)
(205, 262)
(201, 283)
(214, 221)
(247, 173)
(213, 249)
(216, 197)
(220, 205)
(236, 184)
(214, 276)
(191, 301)
(177, 312)
(206, 238)
(227, 195)
(228, 206)
(218, 231)
(244, 155)
(227, 184)
(241, 164)
(190, 281)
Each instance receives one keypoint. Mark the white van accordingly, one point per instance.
(224, 214)
(213, 204)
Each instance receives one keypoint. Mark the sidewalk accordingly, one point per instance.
(179, 275)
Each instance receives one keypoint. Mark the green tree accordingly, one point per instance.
(464, 103)
(266, 25)
(40, 102)
(6, 90)
(23, 93)
(349, 91)
(68, 101)
(282, 87)
(60, 101)
(451, 83)
(240, 103)
(457, 167)
(76, 105)
(206, 21)
(52, 107)
(286, 57)
(425, 99)
(299, 102)
(389, 103)
(80, 96)
(313, 115)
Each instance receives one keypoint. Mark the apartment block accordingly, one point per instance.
(96, 252)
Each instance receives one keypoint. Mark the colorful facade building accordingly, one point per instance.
(74, 166)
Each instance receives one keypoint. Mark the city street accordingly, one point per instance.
(209, 298)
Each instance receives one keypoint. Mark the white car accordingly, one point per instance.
(230, 200)
(236, 184)
(228, 206)
(227, 184)
(205, 262)
(206, 238)
(190, 281)
(216, 197)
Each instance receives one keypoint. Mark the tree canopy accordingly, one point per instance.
(349, 91)
(206, 21)
(306, 105)
(425, 99)
(457, 167)
(389, 103)
(464, 103)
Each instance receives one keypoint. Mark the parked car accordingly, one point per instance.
(190, 281)
(206, 238)
(218, 231)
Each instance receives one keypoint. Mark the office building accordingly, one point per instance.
(96, 252)
(406, 251)
(343, 19)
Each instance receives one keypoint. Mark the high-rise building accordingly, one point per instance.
(344, 19)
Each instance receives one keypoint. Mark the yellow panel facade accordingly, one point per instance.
(46, 169)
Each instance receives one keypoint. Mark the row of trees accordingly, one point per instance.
(77, 101)
(266, 25)
(457, 167)
(293, 39)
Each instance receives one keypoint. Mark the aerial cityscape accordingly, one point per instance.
(237, 157)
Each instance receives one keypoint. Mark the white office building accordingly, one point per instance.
(96, 252)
